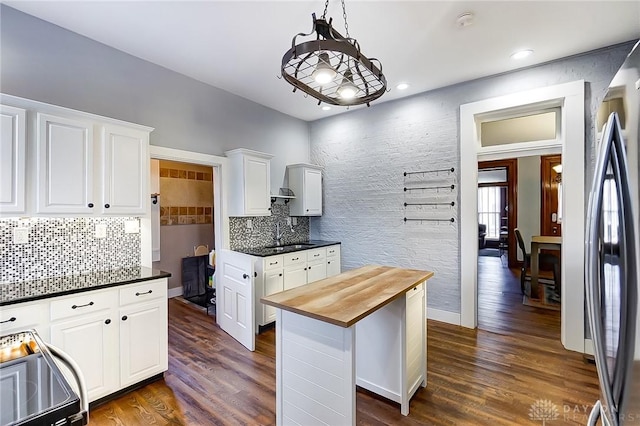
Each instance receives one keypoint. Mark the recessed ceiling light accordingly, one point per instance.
(402, 86)
(326, 108)
(521, 54)
(464, 20)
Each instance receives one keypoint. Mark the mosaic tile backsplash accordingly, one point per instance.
(65, 246)
(264, 229)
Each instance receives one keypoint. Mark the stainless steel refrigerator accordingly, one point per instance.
(612, 279)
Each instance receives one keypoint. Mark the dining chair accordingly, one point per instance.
(543, 258)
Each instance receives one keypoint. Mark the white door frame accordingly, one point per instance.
(220, 185)
(570, 97)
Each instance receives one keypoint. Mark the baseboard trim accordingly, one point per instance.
(174, 292)
(443, 316)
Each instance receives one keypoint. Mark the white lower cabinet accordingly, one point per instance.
(333, 261)
(91, 339)
(284, 272)
(273, 283)
(269, 279)
(143, 331)
(25, 316)
(117, 336)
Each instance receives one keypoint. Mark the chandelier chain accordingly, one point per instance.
(326, 6)
(344, 15)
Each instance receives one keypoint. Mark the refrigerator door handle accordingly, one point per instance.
(595, 414)
(592, 255)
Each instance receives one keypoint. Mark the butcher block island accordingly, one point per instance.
(364, 327)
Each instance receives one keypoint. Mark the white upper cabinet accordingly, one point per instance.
(250, 186)
(125, 170)
(70, 162)
(12, 159)
(65, 165)
(305, 180)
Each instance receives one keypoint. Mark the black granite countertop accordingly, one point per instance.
(59, 286)
(289, 248)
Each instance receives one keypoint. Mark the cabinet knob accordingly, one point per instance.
(12, 319)
(329, 262)
(107, 321)
(124, 318)
(306, 268)
(106, 206)
(245, 276)
(279, 275)
(307, 209)
(90, 205)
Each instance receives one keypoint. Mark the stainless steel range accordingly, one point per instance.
(33, 389)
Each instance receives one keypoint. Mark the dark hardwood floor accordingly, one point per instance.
(490, 376)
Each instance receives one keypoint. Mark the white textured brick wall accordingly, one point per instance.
(366, 151)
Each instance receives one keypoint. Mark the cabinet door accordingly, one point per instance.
(143, 341)
(273, 283)
(65, 165)
(312, 192)
(125, 165)
(295, 276)
(333, 266)
(257, 181)
(12, 159)
(235, 296)
(316, 271)
(92, 341)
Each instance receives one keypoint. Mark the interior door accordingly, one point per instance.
(235, 294)
(550, 207)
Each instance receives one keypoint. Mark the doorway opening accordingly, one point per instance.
(569, 141)
(183, 227)
(219, 226)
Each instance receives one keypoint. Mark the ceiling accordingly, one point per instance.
(238, 45)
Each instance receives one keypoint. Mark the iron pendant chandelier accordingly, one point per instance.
(332, 68)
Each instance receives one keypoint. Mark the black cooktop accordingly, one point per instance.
(33, 390)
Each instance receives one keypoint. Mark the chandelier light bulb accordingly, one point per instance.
(347, 89)
(324, 72)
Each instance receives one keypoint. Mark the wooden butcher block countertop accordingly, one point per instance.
(346, 298)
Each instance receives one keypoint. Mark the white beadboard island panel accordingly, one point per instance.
(315, 378)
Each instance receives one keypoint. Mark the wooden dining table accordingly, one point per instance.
(540, 242)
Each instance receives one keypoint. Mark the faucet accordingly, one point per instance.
(278, 234)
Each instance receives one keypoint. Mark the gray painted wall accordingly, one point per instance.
(365, 152)
(47, 63)
(529, 202)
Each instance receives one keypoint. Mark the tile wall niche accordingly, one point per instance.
(186, 193)
(65, 246)
(263, 232)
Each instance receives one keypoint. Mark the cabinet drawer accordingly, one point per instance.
(23, 317)
(273, 262)
(415, 291)
(333, 251)
(295, 258)
(83, 303)
(316, 254)
(142, 292)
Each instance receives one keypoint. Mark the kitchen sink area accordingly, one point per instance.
(285, 248)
